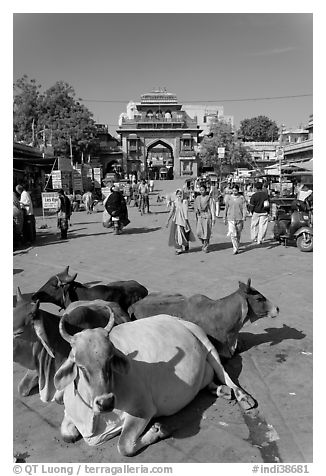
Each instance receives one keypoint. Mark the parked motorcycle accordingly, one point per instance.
(295, 225)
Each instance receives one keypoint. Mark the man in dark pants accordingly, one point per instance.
(64, 213)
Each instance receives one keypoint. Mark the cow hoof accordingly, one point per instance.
(161, 431)
(224, 391)
(245, 400)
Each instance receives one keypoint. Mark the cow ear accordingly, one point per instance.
(19, 295)
(65, 374)
(249, 283)
(120, 363)
(242, 286)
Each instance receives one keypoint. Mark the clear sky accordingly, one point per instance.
(208, 58)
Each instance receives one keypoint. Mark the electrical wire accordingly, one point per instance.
(118, 101)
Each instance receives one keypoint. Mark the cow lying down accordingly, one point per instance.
(118, 379)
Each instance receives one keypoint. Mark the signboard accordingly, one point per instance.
(49, 200)
(97, 177)
(77, 182)
(221, 152)
(56, 179)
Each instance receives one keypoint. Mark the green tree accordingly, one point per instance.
(258, 129)
(54, 117)
(66, 120)
(222, 135)
(26, 109)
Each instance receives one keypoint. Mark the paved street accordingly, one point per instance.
(275, 352)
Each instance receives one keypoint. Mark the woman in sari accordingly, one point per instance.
(205, 215)
(180, 231)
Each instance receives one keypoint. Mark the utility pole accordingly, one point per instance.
(280, 157)
(71, 156)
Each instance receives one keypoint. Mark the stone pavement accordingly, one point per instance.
(275, 365)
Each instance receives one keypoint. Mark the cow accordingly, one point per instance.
(221, 319)
(37, 342)
(62, 289)
(118, 380)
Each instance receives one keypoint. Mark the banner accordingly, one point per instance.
(49, 200)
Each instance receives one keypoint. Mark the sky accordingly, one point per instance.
(204, 58)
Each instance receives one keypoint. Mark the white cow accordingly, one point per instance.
(120, 379)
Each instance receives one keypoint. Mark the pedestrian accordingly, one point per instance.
(116, 206)
(234, 216)
(259, 206)
(180, 231)
(29, 228)
(87, 198)
(127, 192)
(18, 218)
(215, 193)
(205, 215)
(151, 185)
(64, 213)
(143, 201)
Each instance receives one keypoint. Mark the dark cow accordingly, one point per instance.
(38, 345)
(119, 380)
(62, 289)
(222, 319)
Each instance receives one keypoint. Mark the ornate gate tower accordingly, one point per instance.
(158, 137)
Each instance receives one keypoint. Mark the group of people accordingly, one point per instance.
(206, 211)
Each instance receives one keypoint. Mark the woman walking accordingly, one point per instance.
(180, 231)
(64, 213)
(205, 214)
(235, 215)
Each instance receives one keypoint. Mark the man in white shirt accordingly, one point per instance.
(25, 200)
(29, 228)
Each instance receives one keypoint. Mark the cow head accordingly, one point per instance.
(258, 305)
(54, 289)
(28, 329)
(92, 362)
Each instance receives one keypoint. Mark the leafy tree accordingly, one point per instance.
(222, 135)
(26, 108)
(54, 117)
(258, 129)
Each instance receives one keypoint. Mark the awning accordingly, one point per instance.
(186, 136)
(132, 136)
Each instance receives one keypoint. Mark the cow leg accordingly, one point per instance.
(244, 399)
(27, 383)
(133, 439)
(68, 430)
(220, 390)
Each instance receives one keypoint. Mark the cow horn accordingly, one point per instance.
(69, 279)
(110, 324)
(67, 337)
(19, 295)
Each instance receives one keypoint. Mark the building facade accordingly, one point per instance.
(159, 138)
(297, 144)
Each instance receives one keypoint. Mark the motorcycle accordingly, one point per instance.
(295, 225)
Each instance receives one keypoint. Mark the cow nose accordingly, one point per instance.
(103, 403)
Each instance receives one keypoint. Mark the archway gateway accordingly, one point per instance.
(160, 158)
(159, 130)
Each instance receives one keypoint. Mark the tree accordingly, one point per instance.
(222, 135)
(54, 116)
(67, 121)
(258, 129)
(26, 109)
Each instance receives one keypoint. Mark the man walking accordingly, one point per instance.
(259, 206)
(235, 215)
